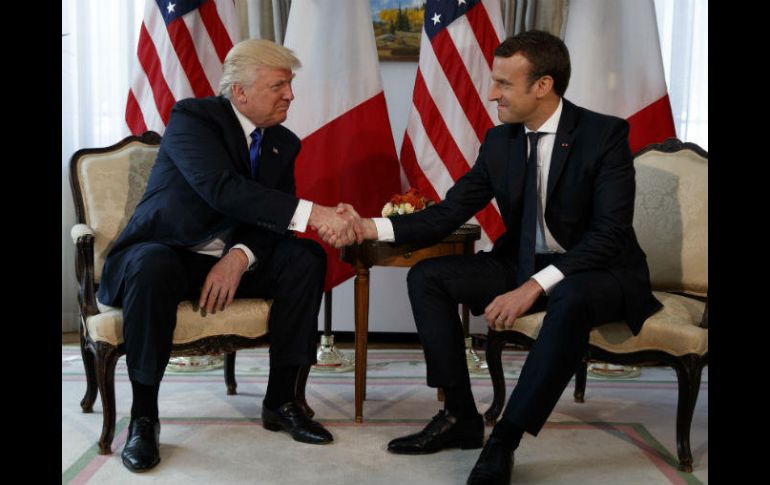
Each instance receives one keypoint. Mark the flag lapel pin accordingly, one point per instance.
(275, 150)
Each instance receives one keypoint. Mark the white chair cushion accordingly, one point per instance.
(112, 185)
(245, 317)
(671, 219)
(674, 329)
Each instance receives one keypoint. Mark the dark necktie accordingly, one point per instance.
(526, 263)
(256, 136)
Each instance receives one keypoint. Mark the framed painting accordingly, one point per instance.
(397, 28)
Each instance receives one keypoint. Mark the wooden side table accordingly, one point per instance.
(372, 253)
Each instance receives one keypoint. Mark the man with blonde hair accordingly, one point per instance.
(216, 221)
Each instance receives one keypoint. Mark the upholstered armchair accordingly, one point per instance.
(671, 223)
(107, 183)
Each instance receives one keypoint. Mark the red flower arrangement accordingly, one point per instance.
(406, 203)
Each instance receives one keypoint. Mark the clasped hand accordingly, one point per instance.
(337, 226)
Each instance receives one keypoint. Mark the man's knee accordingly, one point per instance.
(157, 267)
(306, 255)
(570, 292)
(423, 275)
(571, 301)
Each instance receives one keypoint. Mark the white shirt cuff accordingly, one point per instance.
(301, 216)
(548, 277)
(384, 229)
(249, 254)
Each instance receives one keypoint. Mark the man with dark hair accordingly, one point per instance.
(563, 178)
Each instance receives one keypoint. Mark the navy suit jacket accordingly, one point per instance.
(201, 185)
(589, 202)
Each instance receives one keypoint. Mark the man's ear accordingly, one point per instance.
(238, 93)
(544, 85)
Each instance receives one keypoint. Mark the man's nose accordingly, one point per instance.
(494, 92)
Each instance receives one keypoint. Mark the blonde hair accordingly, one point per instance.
(246, 56)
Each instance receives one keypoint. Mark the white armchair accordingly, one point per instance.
(107, 184)
(671, 224)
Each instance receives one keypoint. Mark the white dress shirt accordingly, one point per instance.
(545, 243)
(216, 246)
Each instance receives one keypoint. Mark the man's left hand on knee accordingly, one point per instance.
(222, 281)
(506, 308)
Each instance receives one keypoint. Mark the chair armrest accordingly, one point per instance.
(80, 230)
(83, 237)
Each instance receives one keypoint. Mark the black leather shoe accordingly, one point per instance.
(142, 449)
(494, 464)
(291, 417)
(443, 431)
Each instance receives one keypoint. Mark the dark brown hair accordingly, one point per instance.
(547, 53)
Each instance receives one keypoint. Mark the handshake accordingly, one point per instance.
(341, 226)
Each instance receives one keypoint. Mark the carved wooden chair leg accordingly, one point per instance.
(581, 374)
(494, 350)
(106, 358)
(299, 390)
(87, 403)
(230, 374)
(688, 374)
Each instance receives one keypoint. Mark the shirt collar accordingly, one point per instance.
(246, 124)
(551, 124)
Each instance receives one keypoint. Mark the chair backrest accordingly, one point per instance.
(671, 215)
(107, 184)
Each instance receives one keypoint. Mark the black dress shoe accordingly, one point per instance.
(142, 449)
(443, 431)
(494, 464)
(292, 417)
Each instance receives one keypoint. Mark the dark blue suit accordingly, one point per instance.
(199, 186)
(589, 211)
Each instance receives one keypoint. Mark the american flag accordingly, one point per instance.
(182, 45)
(450, 113)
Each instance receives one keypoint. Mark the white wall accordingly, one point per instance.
(389, 309)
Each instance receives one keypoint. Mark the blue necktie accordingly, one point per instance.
(256, 137)
(526, 263)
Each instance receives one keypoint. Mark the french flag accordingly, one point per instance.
(339, 113)
(617, 67)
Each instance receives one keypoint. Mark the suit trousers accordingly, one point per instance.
(160, 276)
(575, 305)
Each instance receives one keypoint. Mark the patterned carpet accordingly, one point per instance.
(623, 433)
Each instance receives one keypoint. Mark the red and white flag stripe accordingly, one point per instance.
(617, 67)
(450, 112)
(182, 46)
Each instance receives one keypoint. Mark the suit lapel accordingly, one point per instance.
(271, 160)
(562, 145)
(235, 138)
(517, 155)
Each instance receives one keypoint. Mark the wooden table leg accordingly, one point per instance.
(362, 330)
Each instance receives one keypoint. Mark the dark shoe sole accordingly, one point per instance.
(271, 426)
(128, 465)
(470, 444)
